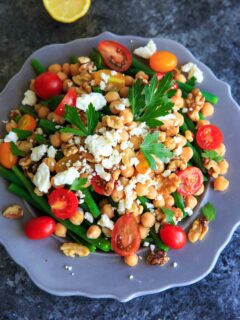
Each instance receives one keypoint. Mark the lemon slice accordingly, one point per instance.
(67, 11)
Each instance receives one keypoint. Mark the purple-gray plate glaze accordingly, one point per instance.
(105, 275)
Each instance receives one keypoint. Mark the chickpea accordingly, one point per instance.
(189, 135)
(74, 69)
(169, 200)
(78, 217)
(223, 166)
(50, 162)
(152, 193)
(179, 119)
(207, 109)
(194, 115)
(143, 231)
(65, 137)
(117, 195)
(124, 181)
(25, 146)
(170, 143)
(220, 183)
(160, 166)
(131, 260)
(127, 116)
(142, 75)
(43, 112)
(123, 92)
(55, 139)
(178, 93)
(10, 125)
(180, 77)
(66, 68)
(178, 101)
(187, 153)
(129, 81)
(103, 202)
(127, 155)
(202, 123)
(112, 96)
(221, 150)
(141, 189)
(159, 202)
(62, 75)
(108, 210)
(128, 172)
(136, 141)
(55, 68)
(60, 230)
(200, 191)
(32, 82)
(124, 135)
(67, 83)
(107, 232)
(52, 116)
(162, 136)
(116, 174)
(191, 201)
(94, 232)
(147, 219)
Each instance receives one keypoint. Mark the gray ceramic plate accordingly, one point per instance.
(105, 275)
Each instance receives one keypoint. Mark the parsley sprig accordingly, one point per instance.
(209, 211)
(78, 184)
(212, 155)
(169, 214)
(152, 100)
(152, 148)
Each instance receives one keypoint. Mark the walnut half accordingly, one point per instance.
(13, 212)
(158, 257)
(198, 230)
(71, 249)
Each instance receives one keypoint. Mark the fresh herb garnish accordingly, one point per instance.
(169, 214)
(92, 119)
(151, 147)
(97, 59)
(209, 211)
(192, 81)
(53, 102)
(152, 100)
(78, 184)
(15, 150)
(39, 138)
(212, 154)
(22, 134)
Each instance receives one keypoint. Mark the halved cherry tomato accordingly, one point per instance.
(143, 166)
(163, 61)
(48, 84)
(39, 228)
(27, 122)
(191, 181)
(126, 236)
(209, 137)
(115, 81)
(173, 236)
(160, 75)
(64, 203)
(7, 159)
(115, 55)
(69, 99)
(61, 165)
(98, 184)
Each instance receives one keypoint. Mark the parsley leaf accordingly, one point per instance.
(72, 116)
(209, 211)
(169, 215)
(92, 118)
(22, 134)
(78, 183)
(15, 150)
(151, 147)
(212, 154)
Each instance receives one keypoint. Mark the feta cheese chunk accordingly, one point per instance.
(11, 137)
(102, 173)
(147, 51)
(51, 152)
(97, 99)
(42, 178)
(188, 210)
(38, 152)
(88, 216)
(66, 177)
(30, 98)
(193, 71)
(105, 222)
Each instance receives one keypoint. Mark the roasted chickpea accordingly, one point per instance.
(220, 184)
(159, 202)
(10, 125)
(131, 260)
(65, 137)
(128, 172)
(169, 200)
(52, 116)
(180, 77)
(187, 153)
(55, 68)
(147, 219)
(179, 119)
(112, 96)
(141, 189)
(152, 193)
(43, 112)
(143, 231)
(136, 141)
(189, 135)
(124, 135)
(50, 162)
(160, 167)
(78, 217)
(108, 210)
(94, 232)
(67, 83)
(66, 68)
(74, 69)
(178, 101)
(62, 75)
(223, 166)
(123, 92)
(113, 106)
(117, 195)
(127, 116)
(200, 191)
(202, 123)
(221, 150)
(207, 109)
(191, 201)
(60, 230)
(129, 81)
(55, 139)
(142, 75)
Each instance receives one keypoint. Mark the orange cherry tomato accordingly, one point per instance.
(7, 159)
(61, 165)
(142, 167)
(163, 61)
(115, 81)
(27, 122)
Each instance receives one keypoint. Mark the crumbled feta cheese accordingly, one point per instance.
(11, 137)
(66, 177)
(120, 106)
(134, 161)
(39, 131)
(126, 144)
(178, 151)
(131, 277)
(121, 206)
(157, 227)
(175, 264)
(115, 158)
(30, 98)
(102, 173)
(126, 102)
(105, 222)
(147, 51)
(88, 216)
(193, 71)
(113, 73)
(77, 140)
(184, 110)
(166, 173)
(177, 139)
(149, 205)
(146, 244)
(141, 130)
(188, 210)
(97, 99)
(169, 116)
(102, 85)
(105, 77)
(38, 152)
(51, 152)
(160, 197)
(119, 187)
(42, 178)
(152, 247)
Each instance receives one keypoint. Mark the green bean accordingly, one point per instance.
(179, 202)
(9, 176)
(77, 239)
(190, 124)
(138, 65)
(90, 202)
(158, 242)
(20, 192)
(74, 59)
(47, 126)
(28, 110)
(197, 159)
(53, 102)
(37, 66)
(22, 134)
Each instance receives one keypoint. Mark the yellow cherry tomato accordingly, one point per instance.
(112, 79)
(142, 167)
(163, 61)
(61, 165)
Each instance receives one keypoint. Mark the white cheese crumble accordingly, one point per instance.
(11, 137)
(169, 116)
(141, 130)
(113, 160)
(152, 247)
(188, 210)
(51, 152)
(105, 77)
(39, 131)
(178, 151)
(157, 227)
(102, 173)
(42, 178)
(120, 107)
(134, 161)
(102, 85)
(175, 264)
(193, 71)
(126, 144)
(147, 51)
(30, 98)
(88, 216)
(131, 277)
(66, 177)
(97, 99)
(105, 222)
(38, 152)
(166, 173)
(113, 73)
(146, 244)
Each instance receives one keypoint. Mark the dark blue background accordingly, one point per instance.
(210, 29)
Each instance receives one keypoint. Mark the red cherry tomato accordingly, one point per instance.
(191, 181)
(209, 137)
(160, 75)
(64, 203)
(48, 84)
(126, 236)
(69, 99)
(98, 184)
(39, 228)
(173, 236)
(7, 159)
(115, 55)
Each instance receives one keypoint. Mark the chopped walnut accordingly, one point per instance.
(177, 164)
(168, 184)
(198, 229)
(212, 167)
(71, 249)
(25, 162)
(158, 257)
(113, 122)
(13, 212)
(195, 100)
(69, 149)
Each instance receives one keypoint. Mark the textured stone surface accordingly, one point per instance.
(210, 29)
